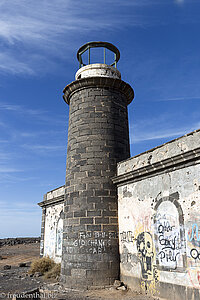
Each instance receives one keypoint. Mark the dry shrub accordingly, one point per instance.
(54, 272)
(42, 265)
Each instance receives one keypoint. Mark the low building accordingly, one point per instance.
(159, 214)
(150, 201)
(52, 224)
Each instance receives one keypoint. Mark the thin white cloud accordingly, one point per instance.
(10, 178)
(4, 169)
(4, 156)
(20, 109)
(179, 98)
(44, 147)
(10, 64)
(41, 115)
(32, 29)
(155, 128)
(161, 134)
(36, 20)
(18, 207)
(39, 133)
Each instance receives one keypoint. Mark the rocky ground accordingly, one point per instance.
(14, 265)
(18, 241)
(16, 283)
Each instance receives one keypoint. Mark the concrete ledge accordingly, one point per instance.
(170, 164)
(98, 82)
(53, 201)
(178, 146)
(53, 197)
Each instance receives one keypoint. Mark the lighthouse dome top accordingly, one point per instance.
(101, 67)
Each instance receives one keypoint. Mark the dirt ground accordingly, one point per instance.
(16, 280)
(13, 255)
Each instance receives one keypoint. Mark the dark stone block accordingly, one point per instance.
(103, 206)
(110, 228)
(94, 213)
(93, 199)
(87, 193)
(86, 221)
(82, 162)
(111, 213)
(114, 220)
(94, 227)
(80, 187)
(69, 201)
(94, 173)
(69, 215)
(113, 206)
(101, 220)
(67, 272)
(101, 193)
(79, 228)
(80, 213)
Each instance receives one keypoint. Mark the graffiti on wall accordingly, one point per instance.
(127, 236)
(193, 251)
(91, 242)
(170, 242)
(193, 234)
(59, 237)
(193, 238)
(53, 232)
(194, 277)
(137, 249)
(161, 239)
(41, 247)
(146, 254)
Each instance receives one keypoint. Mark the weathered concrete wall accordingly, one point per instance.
(53, 232)
(159, 210)
(52, 224)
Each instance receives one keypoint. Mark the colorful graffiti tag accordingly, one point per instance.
(193, 252)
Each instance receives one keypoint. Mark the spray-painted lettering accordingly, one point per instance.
(127, 237)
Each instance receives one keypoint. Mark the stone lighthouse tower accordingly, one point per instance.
(98, 138)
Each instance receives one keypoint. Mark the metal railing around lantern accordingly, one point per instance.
(103, 45)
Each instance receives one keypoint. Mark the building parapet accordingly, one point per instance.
(53, 197)
(170, 164)
(170, 153)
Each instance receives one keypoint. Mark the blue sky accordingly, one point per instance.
(159, 44)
